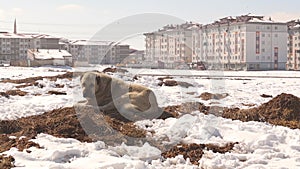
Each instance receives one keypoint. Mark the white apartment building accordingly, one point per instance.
(245, 42)
(98, 52)
(293, 62)
(15, 46)
(171, 45)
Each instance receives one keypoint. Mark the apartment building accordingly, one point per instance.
(245, 42)
(293, 62)
(15, 46)
(96, 52)
(171, 45)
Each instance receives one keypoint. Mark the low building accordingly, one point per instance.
(40, 57)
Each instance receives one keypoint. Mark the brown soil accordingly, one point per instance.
(56, 92)
(32, 80)
(16, 92)
(283, 110)
(195, 151)
(171, 82)
(208, 96)
(6, 162)
(164, 78)
(114, 70)
(68, 122)
(186, 108)
(20, 144)
(266, 96)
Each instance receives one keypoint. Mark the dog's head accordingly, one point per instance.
(93, 82)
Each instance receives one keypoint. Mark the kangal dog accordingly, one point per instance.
(133, 101)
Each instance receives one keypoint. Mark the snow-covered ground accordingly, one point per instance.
(260, 145)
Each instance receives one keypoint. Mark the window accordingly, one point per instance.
(276, 35)
(275, 27)
(263, 35)
(262, 50)
(257, 46)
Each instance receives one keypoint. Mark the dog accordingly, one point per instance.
(133, 101)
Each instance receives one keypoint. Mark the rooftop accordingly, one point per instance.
(43, 54)
(25, 35)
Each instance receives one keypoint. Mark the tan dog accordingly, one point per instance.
(133, 101)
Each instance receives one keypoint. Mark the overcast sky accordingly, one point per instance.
(82, 19)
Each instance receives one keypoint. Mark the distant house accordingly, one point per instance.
(40, 57)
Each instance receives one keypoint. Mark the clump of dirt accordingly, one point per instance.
(284, 110)
(4, 94)
(72, 122)
(266, 96)
(6, 162)
(186, 108)
(171, 82)
(164, 78)
(16, 92)
(21, 143)
(32, 80)
(209, 96)
(56, 92)
(114, 70)
(195, 151)
(27, 85)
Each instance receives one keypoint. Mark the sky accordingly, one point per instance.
(83, 19)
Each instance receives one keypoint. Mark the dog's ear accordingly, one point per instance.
(98, 80)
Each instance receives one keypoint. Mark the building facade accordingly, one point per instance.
(245, 42)
(98, 52)
(293, 62)
(171, 45)
(15, 46)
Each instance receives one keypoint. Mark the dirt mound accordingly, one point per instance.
(114, 70)
(164, 78)
(185, 108)
(16, 92)
(20, 143)
(195, 151)
(6, 162)
(266, 96)
(171, 82)
(284, 110)
(31, 80)
(56, 92)
(209, 96)
(71, 122)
